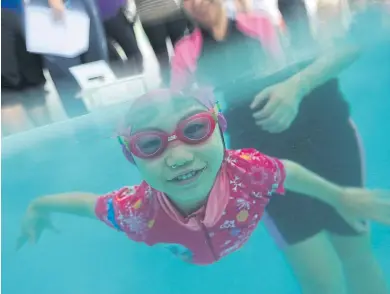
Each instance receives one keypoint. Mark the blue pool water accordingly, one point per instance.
(89, 258)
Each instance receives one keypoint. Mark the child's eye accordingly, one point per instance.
(149, 145)
(195, 130)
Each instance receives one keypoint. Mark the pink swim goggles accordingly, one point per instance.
(194, 130)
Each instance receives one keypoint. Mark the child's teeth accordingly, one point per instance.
(186, 176)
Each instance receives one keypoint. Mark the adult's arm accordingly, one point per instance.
(326, 67)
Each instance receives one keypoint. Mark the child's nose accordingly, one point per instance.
(178, 155)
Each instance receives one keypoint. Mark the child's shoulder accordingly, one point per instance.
(250, 159)
(131, 194)
(248, 154)
(262, 172)
(127, 193)
(124, 201)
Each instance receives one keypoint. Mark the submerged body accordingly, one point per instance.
(199, 199)
(246, 181)
(297, 113)
(307, 138)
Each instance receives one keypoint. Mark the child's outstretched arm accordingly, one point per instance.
(37, 216)
(303, 181)
(76, 203)
(353, 203)
(113, 208)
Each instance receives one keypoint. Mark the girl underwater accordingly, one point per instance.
(196, 193)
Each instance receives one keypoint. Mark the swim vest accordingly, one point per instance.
(246, 181)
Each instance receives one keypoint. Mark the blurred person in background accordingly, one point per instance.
(20, 69)
(59, 67)
(162, 20)
(22, 80)
(298, 112)
(117, 26)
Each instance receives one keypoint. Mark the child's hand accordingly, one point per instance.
(33, 224)
(365, 204)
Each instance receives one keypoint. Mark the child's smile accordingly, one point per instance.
(188, 177)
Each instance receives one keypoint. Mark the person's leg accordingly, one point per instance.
(157, 34)
(13, 114)
(299, 219)
(122, 31)
(20, 68)
(294, 221)
(361, 269)
(66, 85)
(10, 74)
(34, 101)
(176, 28)
(342, 163)
(316, 266)
(297, 224)
(97, 39)
(22, 71)
(112, 51)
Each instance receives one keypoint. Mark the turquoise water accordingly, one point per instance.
(89, 258)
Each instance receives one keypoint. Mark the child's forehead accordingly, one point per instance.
(155, 112)
(182, 103)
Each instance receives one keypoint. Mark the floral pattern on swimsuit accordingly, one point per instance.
(246, 182)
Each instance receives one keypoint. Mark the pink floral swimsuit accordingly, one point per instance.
(246, 181)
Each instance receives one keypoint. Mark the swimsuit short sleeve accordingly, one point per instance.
(125, 210)
(268, 173)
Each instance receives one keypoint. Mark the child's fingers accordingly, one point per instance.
(32, 236)
(37, 235)
(359, 225)
(23, 238)
(382, 211)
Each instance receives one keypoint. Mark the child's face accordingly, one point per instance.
(199, 162)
